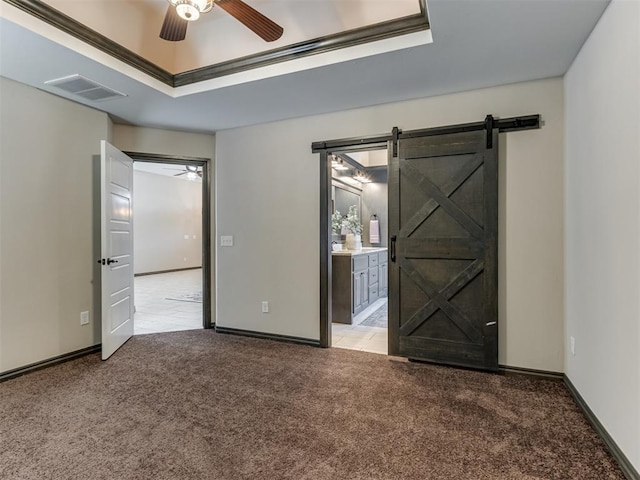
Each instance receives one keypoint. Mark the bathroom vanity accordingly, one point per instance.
(358, 279)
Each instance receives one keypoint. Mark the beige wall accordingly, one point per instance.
(603, 224)
(163, 142)
(47, 255)
(46, 201)
(166, 209)
(268, 194)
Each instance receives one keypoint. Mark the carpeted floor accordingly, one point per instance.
(199, 405)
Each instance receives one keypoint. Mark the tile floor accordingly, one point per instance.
(360, 337)
(155, 314)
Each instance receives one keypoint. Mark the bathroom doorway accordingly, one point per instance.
(359, 254)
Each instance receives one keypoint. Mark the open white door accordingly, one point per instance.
(116, 247)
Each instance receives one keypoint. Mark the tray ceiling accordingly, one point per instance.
(217, 37)
(476, 44)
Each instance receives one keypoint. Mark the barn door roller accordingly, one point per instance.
(488, 125)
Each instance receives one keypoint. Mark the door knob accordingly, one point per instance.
(110, 261)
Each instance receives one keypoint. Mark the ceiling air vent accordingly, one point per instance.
(84, 88)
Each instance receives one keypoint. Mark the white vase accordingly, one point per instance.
(354, 241)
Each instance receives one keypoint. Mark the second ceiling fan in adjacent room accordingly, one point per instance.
(181, 12)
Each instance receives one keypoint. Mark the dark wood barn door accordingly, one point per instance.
(443, 219)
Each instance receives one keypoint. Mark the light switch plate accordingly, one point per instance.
(226, 240)
(84, 318)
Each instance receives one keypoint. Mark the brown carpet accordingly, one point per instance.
(199, 405)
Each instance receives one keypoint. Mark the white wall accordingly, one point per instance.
(602, 91)
(268, 198)
(46, 214)
(165, 210)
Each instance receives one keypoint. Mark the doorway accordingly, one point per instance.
(172, 259)
(442, 246)
(359, 249)
(355, 185)
(442, 240)
(167, 218)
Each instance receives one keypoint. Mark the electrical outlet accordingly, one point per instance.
(184, 259)
(572, 345)
(265, 307)
(84, 318)
(226, 240)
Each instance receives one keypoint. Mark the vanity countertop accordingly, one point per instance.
(364, 251)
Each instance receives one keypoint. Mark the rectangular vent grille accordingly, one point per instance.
(84, 88)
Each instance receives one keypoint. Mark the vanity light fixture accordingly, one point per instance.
(338, 164)
(361, 177)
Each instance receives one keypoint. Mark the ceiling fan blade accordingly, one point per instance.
(178, 174)
(268, 30)
(174, 28)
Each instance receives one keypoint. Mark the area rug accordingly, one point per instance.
(378, 318)
(195, 297)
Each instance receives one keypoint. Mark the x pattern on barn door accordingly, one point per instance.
(444, 306)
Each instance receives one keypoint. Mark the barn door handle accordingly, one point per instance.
(393, 248)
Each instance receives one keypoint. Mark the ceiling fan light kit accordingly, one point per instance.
(190, 10)
(181, 12)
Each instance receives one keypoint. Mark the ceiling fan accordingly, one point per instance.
(191, 171)
(181, 12)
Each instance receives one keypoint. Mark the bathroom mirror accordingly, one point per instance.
(344, 197)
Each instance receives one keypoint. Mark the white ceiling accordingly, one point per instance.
(167, 170)
(371, 158)
(476, 44)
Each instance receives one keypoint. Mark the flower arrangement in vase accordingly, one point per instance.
(353, 225)
(336, 222)
(336, 231)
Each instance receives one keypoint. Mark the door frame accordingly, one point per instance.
(377, 142)
(207, 182)
(346, 145)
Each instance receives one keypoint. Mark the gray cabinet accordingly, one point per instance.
(383, 280)
(358, 280)
(360, 291)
